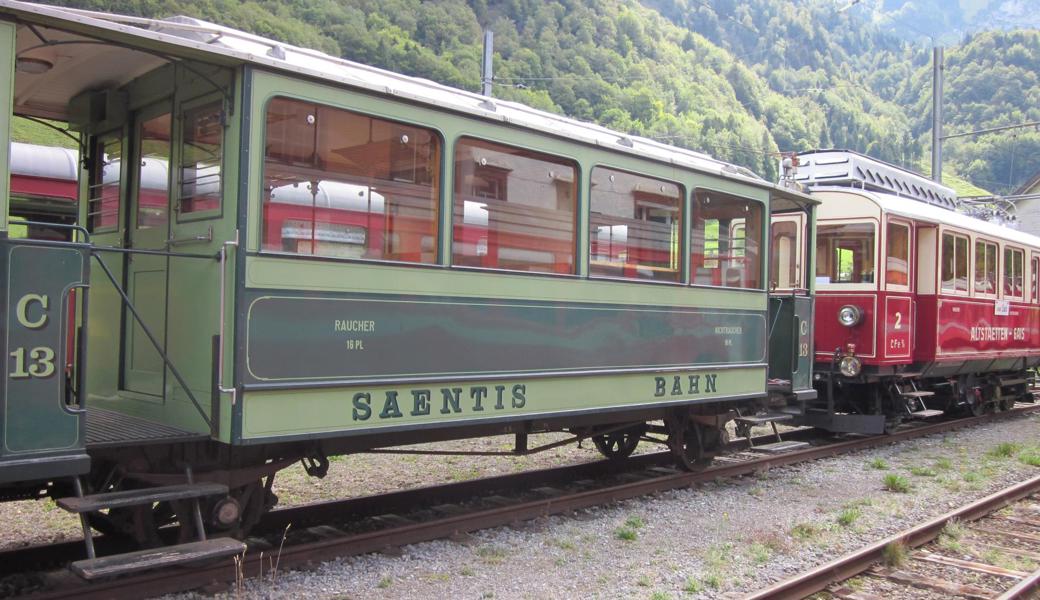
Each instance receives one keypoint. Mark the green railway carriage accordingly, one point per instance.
(283, 256)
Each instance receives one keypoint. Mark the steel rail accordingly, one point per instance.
(1024, 588)
(842, 568)
(253, 563)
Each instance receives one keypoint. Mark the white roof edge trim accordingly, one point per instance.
(443, 96)
(919, 211)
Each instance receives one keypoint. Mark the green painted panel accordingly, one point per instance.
(307, 339)
(790, 339)
(350, 410)
(271, 272)
(144, 367)
(802, 379)
(39, 278)
(7, 74)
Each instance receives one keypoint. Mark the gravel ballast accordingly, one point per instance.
(715, 540)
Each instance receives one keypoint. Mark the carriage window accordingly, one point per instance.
(954, 263)
(985, 267)
(103, 199)
(152, 172)
(1013, 273)
(636, 226)
(513, 209)
(347, 185)
(783, 259)
(201, 150)
(898, 256)
(1034, 278)
(726, 241)
(845, 253)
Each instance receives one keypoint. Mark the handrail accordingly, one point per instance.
(113, 249)
(72, 226)
(233, 391)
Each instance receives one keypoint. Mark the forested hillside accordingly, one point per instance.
(992, 80)
(737, 79)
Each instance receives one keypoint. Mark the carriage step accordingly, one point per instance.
(764, 418)
(142, 560)
(909, 374)
(926, 414)
(126, 498)
(917, 394)
(778, 447)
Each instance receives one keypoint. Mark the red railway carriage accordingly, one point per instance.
(43, 189)
(920, 309)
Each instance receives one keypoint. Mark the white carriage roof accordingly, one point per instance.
(852, 169)
(44, 161)
(47, 94)
(919, 211)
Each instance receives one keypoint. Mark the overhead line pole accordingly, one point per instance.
(937, 94)
(487, 75)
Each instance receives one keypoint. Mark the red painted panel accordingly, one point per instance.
(924, 339)
(970, 328)
(42, 186)
(829, 334)
(897, 329)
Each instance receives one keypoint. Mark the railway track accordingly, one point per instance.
(328, 530)
(989, 549)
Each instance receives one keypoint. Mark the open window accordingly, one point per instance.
(954, 261)
(785, 250)
(152, 177)
(985, 268)
(726, 241)
(845, 254)
(347, 185)
(635, 226)
(514, 208)
(201, 156)
(897, 256)
(1014, 273)
(1034, 279)
(103, 195)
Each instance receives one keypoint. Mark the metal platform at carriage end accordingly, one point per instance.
(112, 428)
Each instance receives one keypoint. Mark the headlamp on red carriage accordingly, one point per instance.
(849, 365)
(850, 315)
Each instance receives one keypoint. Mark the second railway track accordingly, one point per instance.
(952, 555)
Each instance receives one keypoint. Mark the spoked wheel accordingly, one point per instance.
(619, 445)
(693, 444)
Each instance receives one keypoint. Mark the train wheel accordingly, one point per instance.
(978, 409)
(694, 445)
(619, 445)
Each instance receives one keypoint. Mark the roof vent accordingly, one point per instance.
(851, 169)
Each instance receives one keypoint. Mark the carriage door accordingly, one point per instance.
(149, 229)
(790, 318)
